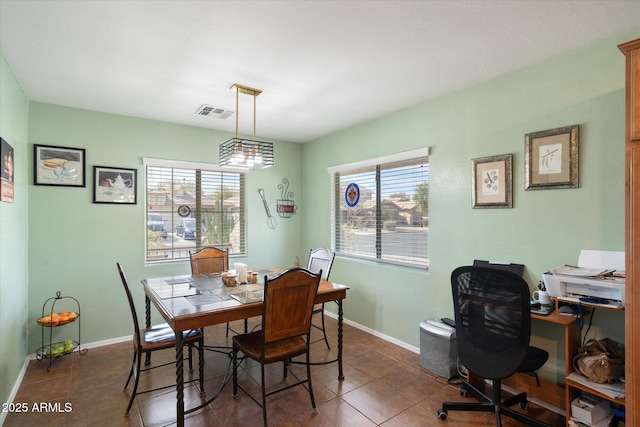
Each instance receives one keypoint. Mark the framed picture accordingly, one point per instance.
(60, 166)
(114, 185)
(551, 159)
(6, 171)
(492, 182)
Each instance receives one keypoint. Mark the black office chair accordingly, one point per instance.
(321, 260)
(493, 328)
(536, 357)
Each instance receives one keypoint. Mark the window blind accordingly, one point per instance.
(389, 223)
(197, 207)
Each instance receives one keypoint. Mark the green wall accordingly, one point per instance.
(74, 244)
(544, 229)
(14, 274)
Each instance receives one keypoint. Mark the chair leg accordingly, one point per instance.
(246, 327)
(264, 396)
(190, 356)
(496, 394)
(133, 364)
(234, 356)
(313, 400)
(135, 382)
(520, 398)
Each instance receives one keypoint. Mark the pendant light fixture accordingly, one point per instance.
(245, 153)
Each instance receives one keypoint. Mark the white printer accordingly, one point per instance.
(573, 283)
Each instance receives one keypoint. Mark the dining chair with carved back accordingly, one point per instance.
(211, 260)
(286, 328)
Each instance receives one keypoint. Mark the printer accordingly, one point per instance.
(568, 283)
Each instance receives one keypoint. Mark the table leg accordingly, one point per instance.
(179, 381)
(147, 319)
(340, 318)
(147, 311)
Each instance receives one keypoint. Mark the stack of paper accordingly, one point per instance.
(570, 270)
(613, 390)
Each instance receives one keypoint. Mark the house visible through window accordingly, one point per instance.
(381, 209)
(189, 207)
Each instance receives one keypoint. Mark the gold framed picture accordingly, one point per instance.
(551, 158)
(492, 181)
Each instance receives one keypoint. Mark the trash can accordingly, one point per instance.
(438, 351)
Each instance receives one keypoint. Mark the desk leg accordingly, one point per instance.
(179, 381)
(340, 318)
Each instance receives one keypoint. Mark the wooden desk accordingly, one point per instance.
(551, 393)
(188, 302)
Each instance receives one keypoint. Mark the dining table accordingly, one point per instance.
(195, 302)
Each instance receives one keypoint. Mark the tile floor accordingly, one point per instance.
(384, 385)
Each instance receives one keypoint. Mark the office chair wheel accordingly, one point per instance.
(442, 414)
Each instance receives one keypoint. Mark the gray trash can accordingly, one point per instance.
(438, 351)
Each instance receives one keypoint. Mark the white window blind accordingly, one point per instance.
(191, 207)
(389, 223)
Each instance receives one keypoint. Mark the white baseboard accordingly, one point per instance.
(15, 388)
(376, 333)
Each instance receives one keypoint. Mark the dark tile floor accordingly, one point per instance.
(384, 385)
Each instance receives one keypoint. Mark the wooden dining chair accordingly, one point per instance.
(161, 337)
(211, 260)
(286, 329)
(321, 259)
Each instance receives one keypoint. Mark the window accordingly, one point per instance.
(381, 209)
(191, 205)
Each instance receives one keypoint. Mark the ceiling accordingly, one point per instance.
(323, 66)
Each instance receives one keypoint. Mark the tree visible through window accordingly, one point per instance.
(191, 208)
(382, 211)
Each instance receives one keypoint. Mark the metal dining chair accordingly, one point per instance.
(321, 259)
(161, 337)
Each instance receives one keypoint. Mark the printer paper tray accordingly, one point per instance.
(576, 299)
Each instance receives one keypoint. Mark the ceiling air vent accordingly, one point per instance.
(211, 111)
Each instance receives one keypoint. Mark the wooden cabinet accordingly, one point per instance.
(631, 51)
